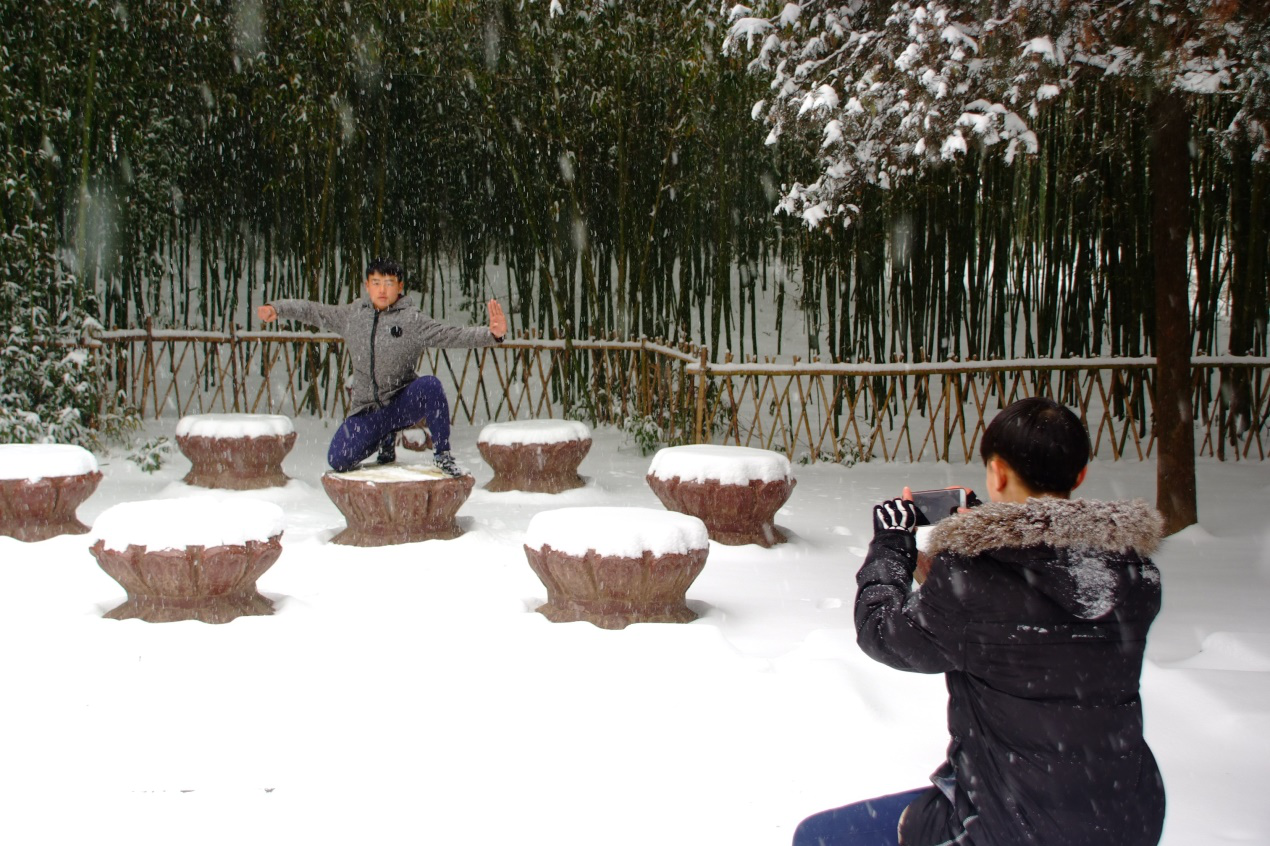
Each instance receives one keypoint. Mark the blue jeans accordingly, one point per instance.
(365, 432)
(874, 822)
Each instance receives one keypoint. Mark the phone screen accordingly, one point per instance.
(933, 506)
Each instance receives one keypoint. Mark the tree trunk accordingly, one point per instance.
(1174, 416)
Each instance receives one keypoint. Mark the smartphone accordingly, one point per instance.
(933, 506)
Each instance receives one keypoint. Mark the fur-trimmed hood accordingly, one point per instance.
(1083, 554)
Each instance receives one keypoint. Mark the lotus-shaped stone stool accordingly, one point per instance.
(41, 485)
(195, 558)
(240, 452)
(616, 566)
(397, 503)
(736, 491)
(541, 456)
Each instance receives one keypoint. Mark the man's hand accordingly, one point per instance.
(895, 514)
(267, 313)
(497, 320)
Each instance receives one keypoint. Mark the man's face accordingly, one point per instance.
(383, 290)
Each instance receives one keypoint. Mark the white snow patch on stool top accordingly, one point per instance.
(234, 426)
(533, 432)
(188, 521)
(38, 461)
(393, 473)
(612, 530)
(730, 465)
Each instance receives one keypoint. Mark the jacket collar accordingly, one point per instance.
(1110, 527)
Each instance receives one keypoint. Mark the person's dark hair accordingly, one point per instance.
(1042, 440)
(386, 267)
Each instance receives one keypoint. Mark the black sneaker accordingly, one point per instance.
(446, 464)
(387, 452)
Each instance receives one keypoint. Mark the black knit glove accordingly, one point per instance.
(895, 515)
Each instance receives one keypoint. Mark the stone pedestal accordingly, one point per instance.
(214, 584)
(616, 566)
(38, 509)
(734, 514)
(235, 452)
(41, 485)
(397, 504)
(735, 491)
(613, 591)
(539, 456)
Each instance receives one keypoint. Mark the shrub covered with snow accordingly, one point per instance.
(49, 388)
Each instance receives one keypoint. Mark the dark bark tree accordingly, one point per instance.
(1174, 415)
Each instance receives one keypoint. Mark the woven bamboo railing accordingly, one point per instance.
(814, 411)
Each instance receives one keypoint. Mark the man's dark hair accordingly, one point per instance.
(1043, 441)
(386, 267)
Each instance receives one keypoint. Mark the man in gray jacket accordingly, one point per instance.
(385, 335)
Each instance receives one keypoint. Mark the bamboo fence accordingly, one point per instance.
(808, 410)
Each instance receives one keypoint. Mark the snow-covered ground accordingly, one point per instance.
(410, 694)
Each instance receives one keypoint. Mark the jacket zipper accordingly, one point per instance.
(374, 383)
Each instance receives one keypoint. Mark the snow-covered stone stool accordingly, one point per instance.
(240, 452)
(41, 485)
(397, 503)
(541, 456)
(616, 566)
(195, 558)
(735, 490)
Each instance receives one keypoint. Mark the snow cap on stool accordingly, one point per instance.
(234, 426)
(730, 465)
(188, 521)
(40, 461)
(616, 531)
(533, 432)
(389, 473)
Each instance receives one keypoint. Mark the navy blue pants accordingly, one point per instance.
(364, 433)
(874, 822)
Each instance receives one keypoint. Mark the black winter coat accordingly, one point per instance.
(1037, 614)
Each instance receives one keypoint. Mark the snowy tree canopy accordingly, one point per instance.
(885, 92)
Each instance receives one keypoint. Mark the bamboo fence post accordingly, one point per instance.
(702, 374)
(150, 377)
(233, 368)
(643, 376)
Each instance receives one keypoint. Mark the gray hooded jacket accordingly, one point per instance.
(384, 346)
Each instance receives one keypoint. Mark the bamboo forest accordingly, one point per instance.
(191, 158)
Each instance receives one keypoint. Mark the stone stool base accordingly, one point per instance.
(212, 584)
(237, 464)
(39, 509)
(733, 514)
(537, 468)
(614, 591)
(385, 513)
